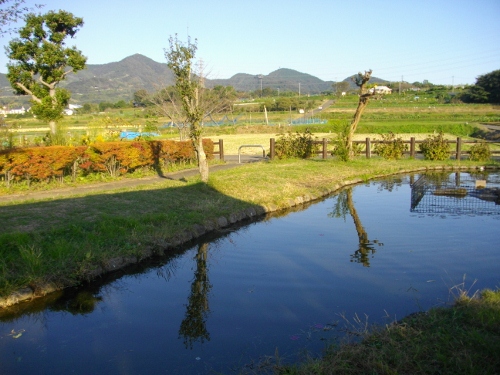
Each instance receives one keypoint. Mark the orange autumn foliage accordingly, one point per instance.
(42, 163)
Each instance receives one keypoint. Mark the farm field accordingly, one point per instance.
(403, 115)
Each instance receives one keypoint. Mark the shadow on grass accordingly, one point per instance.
(68, 240)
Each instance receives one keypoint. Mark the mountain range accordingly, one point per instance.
(119, 80)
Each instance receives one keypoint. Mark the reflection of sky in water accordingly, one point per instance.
(282, 283)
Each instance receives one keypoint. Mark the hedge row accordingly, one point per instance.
(115, 158)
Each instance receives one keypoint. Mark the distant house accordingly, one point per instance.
(16, 111)
(71, 109)
(380, 90)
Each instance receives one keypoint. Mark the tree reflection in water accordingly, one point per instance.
(193, 327)
(344, 204)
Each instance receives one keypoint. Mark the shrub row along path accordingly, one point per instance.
(231, 161)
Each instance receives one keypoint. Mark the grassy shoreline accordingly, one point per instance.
(460, 339)
(48, 245)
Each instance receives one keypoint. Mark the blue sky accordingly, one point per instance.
(443, 41)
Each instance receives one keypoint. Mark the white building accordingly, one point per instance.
(16, 111)
(71, 109)
(380, 90)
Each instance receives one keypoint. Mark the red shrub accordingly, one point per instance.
(39, 163)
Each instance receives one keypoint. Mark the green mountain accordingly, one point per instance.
(119, 80)
(282, 79)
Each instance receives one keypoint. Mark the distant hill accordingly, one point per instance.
(119, 80)
(282, 79)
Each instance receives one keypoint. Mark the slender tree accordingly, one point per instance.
(40, 60)
(361, 81)
(192, 100)
(180, 58)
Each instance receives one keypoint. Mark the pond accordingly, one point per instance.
(282, 287)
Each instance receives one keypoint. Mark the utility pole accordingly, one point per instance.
(299, 89)
(260, 77)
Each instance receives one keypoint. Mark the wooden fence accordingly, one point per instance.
(458, 151)
(220, 151)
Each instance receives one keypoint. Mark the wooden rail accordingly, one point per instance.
(457, 152)
(220, 152)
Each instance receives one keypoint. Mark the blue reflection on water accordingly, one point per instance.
(283, 283)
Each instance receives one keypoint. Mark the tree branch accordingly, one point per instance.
(51, 86)
(28, 91)
(66, 73)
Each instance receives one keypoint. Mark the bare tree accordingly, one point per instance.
(168, 104)
(12, 11)
(364, 95)
(192, 101)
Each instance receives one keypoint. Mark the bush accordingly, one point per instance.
(435, 147)
(392, 149)
(296, 145)
(113, 158)
(340, 144)
(480, 152)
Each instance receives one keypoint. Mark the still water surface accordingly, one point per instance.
(281, 284)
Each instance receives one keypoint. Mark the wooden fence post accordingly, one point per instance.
(221, 149)
(459, 148)
(271, 149)
(412, 147)
(325, 142)
(368, 149)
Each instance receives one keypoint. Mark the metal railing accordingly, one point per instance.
(239, 151)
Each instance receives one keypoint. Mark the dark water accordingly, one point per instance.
(275, 286)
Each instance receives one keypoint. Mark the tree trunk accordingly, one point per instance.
(363, 102)
(53, 127)
(364, 96)
(202, 158)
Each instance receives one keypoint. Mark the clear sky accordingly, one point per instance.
(443, 41)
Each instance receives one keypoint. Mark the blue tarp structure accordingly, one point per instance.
(134, 135)
(302, 121)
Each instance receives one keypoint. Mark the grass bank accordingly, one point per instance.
(46, 245)
(462, 339)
